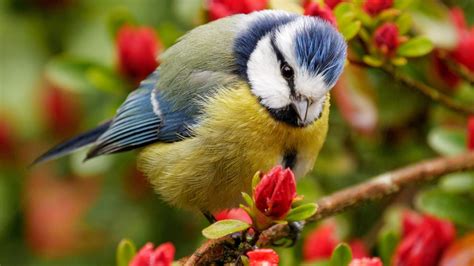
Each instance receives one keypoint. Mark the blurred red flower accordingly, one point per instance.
(55, 211)
(358, 248)
(366, 262)
(61, 110)
(162, 256)
(470, 133)
(223, 8)
(275, 192)
(332, 3)
(235, 214)
(386, 38)
(460, 252)
(374, 7)
(464, 51)
(323, 12)
(137, 51)
(7, 142)
(423, 241)
(263, 257)
(321, 242)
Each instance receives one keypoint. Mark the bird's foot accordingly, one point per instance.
(295, 229)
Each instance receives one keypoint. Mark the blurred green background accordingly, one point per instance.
(58, 77)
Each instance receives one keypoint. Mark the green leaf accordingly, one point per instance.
(351, 30)
(117, 18)
(402, 4)
(223, 228)
(125, 252)
(404, 22)
(447, 141)
(415, 47)
(387, 243)
(83, 76)
(399, 61)
(247, 199)
(341, 256)
(342, 9)
(457, 208)
(458, 183)
(256, 179)
(302, 212)
(372, 61)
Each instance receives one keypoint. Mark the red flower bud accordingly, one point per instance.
(366, 262)
(263, 257)
(424, 244)
(275, 192)
(137, 49)
(464, 51)
(316, 10)
(7, 151)
(470, 133)
(223, 8)
(235, 214)
(374, 7)
(386, 38)
(358, 248)
(162, 256)
(61, 111)
(320, 243)
(332, 3)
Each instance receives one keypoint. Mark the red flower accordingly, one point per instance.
(316, 10)
(162, 256)
(235, 214)
(470, 133)
(443, 71)
(223, 8)
(137, 49)
(374, 7)
(263, 257)
(424, 243)
(320, 243)
(61, 111)
(6, 141)
(358, 248)
(386, 38)
(464, 51)
(275, 192)
(332, 3)
(366, 262)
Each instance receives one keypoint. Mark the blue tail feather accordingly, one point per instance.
(73, 144)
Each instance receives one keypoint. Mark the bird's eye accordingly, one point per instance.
(286, 71)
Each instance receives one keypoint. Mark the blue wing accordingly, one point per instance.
(145, 117)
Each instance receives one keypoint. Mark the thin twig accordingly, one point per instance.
(378, 187)
(431, 92)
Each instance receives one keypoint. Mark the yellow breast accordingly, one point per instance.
(235, 138)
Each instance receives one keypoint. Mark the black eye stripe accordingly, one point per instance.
(283, 64)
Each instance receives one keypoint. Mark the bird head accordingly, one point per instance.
(290, 62)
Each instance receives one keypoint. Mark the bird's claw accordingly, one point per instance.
(295, 229)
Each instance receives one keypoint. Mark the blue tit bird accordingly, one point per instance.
(232, 97)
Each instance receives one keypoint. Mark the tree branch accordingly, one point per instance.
(431, 92)
(226, 248)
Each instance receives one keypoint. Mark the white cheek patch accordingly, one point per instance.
(263, 70)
